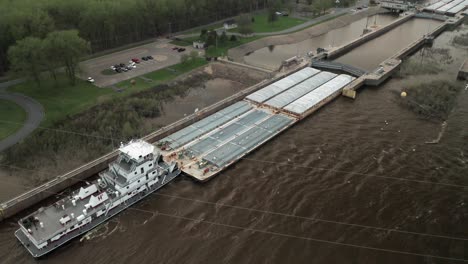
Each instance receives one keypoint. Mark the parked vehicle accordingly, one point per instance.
(150, 57)
(144, 58)
(113, 68)
(122, 65)
(175, 48)
(136, 60)
(90, 80)
(181, 49)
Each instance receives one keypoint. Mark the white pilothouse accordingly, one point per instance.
(138, 171)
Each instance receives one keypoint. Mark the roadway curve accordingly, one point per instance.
(33, 108)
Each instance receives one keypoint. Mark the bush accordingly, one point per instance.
(223, 37)
(193, 54)
(432, 100)
(233, 38)
(184, 58)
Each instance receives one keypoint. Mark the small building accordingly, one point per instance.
(231, 23)
(199, 44)
(398, 6)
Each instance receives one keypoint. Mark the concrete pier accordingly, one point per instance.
(387, 68)
(336, 52)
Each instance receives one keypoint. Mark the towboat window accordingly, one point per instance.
(142, 170)
(151, 164)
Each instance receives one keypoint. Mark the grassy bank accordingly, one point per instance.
(223, 47)
(261, 24)
(166, 74)
(63, 100)
(10, 112)
(98, 129)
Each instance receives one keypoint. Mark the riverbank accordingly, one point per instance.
(89, 134)
(238, 53)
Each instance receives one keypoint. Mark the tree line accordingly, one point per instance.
(32, 55)
(109, 23)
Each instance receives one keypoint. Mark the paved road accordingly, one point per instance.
(33, 108)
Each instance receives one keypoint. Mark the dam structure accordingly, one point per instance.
(206, 142)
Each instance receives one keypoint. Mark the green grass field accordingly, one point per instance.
(261, 23)
(185, 41)
(64, 100)
(223, 48)
(160, 76)
(10, 112)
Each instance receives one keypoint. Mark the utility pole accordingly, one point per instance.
(112, 138)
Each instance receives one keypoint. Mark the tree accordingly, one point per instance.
(184, 58)
(211, 38)
(52, 62)
(245, 25)
(233, 38)
(211, 51)
(272, 17)
(193, 54)
(223, 37)
(69, 48)
(26, 57)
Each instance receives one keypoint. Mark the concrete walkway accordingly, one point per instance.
(33, 108)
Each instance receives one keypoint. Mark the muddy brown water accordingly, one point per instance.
(342, 164)
(370, 54)
(271, 57)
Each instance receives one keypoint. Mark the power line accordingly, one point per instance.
(336, 243)
(281, 214)
(304, 218)
(312, 218)
(356, 173)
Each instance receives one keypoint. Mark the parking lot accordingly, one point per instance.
(161, 51)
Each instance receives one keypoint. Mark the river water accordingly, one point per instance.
(363, 162)
(370, 54)
(271, 57)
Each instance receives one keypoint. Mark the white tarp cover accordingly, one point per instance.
(458, 8)
(287, 82)
(309, 100)
(287, 97)
(449, 6)
(436, 5)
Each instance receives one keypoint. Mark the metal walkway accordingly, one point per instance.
(337, 66)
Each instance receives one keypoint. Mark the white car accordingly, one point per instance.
(112, 68)
(90, 80)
